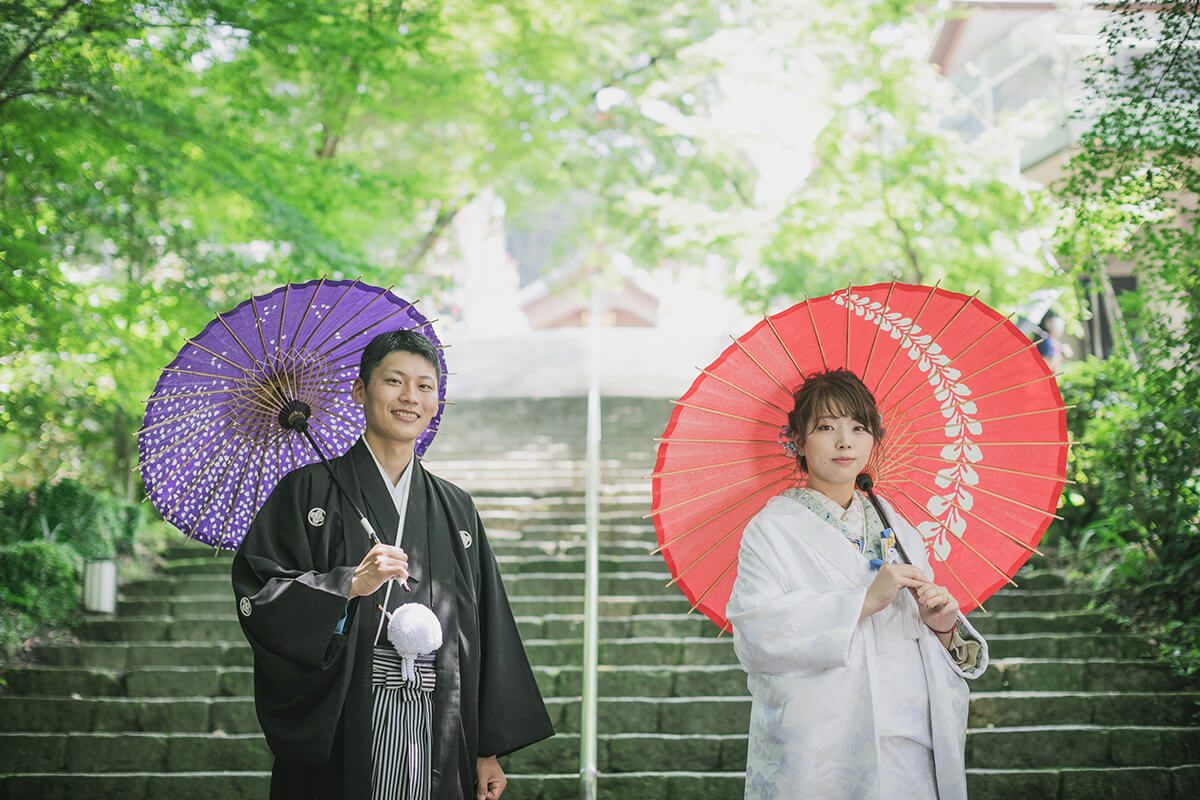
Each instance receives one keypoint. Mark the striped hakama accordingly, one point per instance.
(401, 727)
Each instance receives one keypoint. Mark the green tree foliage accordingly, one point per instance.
(894, 193)
(1132, 193)
(159, 162)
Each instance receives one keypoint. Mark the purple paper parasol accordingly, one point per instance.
(212, 446)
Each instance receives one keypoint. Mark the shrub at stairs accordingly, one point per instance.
(1133, 517)
(38, 589)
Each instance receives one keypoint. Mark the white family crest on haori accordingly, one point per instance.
(316, 517)
(956, 409)
(414, 630)
(466, 538)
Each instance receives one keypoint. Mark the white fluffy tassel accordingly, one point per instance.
(413, 630)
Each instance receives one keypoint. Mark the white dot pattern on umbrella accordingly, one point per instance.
(211, 447)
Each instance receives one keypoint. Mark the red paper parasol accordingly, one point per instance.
(974, 456)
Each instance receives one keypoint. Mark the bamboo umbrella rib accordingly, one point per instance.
(303, 317)
(233, 496)
(725, 414)
(236, 338)
(287, 290)
(1023, 545)
(997, 419)
(737, 527)
(329, 313)
(1013, 354)
(258, 500)
(946, 564)
(765, 371)
(333, 412)
(975, 398)
(233, 364)
(727, 486)
(953, 574)
(746, 392)
(184, 461)
(181, 417)
(212, 493)
(813, 321)
(320, 347)
(1012, 500)
(200, 473)
(218, 376)
(672, 440)
(786, 351)
(155, 456)
(258, 325)
(374, 324)
(680, 537)
(1059, 443)
(934, 338)
(900, 345)
(871, 352)
(714, 466)
(970, 547)
(183, 395)
(713, 585)
(999, 324)
(847, 363)
(1003, 469)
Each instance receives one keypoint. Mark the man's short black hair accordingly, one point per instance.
(404, 339)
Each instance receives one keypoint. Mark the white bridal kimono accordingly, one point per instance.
(827, 690)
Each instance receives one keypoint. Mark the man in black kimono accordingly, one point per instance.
(309, 585)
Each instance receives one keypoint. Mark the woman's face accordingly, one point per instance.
(835, 450)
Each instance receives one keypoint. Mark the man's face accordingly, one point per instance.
(401, 398)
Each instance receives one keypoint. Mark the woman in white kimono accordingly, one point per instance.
(857, 685)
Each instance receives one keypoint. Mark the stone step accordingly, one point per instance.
(197, 628)
(575, 546)
(611, 605)
(1010, 709)
(650, 583)
(1078, 675)
(1035, 622)
(42, 681)
(1069, 645)
(511, 565)
(1044, 746)
(1118, 783)
(571, 626)
(633, 752)
(121, 714)
(681, 785)
(220, 715)
(136, 785)
(128, 752)
(644, 681)
(128, 655)
(642, 651)
(1037, 600)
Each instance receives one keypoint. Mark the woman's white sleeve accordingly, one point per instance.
(782, 630)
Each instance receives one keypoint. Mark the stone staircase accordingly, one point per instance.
(157, 701)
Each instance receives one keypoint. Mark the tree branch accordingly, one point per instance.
(443, 220)
(905, 240)
(32, 45)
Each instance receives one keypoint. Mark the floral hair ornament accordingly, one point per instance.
(785, 441)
